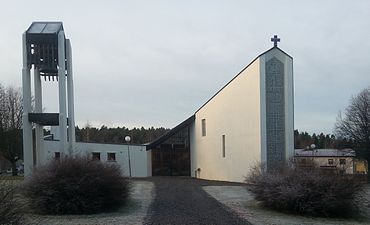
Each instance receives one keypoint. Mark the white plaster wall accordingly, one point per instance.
(289, 101)
(138, 155)
(235, 113)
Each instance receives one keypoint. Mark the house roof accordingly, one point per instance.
(324, 153)
(170, 133)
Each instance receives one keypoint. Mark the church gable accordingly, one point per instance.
(281, 52)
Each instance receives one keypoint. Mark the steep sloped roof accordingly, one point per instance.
(240, 73)
(170, 133)
(192, 118)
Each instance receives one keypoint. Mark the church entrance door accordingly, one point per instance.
(171, 160)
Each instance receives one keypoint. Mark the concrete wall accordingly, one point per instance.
(235, 113)
(139, 157)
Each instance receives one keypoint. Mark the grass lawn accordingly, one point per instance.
(9, 177)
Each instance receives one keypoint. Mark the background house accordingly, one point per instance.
(344, 160)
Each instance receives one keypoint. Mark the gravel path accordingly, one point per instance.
(181, 200)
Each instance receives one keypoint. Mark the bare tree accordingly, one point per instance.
(11, 111)
(355, 124)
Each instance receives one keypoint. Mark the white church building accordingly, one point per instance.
(247, 122)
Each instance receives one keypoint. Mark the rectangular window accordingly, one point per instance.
(330, 161)
(111, 156)
(342, 161)
(96, 155)
(223, 146)
(203, 127)
(56, 155)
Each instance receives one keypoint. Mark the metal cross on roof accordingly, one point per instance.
(275, 39)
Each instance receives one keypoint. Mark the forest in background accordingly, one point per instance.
(303, 140)
(146, 135)
(117, 135)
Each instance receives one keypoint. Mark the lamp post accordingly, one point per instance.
(128, 139)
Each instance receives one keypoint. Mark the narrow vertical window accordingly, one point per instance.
(223, 146)
(203, 127)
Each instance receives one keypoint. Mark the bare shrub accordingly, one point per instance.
(11, 211)
(76, 185)
(306, 191)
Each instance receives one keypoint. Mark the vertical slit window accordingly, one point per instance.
(223, 146)
(203, 127)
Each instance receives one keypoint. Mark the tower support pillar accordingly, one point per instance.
(70, 88)
(27, 126)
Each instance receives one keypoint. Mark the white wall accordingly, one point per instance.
(139, 157)
(235, 113)
(238, 111)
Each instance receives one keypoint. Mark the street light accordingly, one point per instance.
(128, 139)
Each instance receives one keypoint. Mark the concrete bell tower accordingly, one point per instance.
(47, 51)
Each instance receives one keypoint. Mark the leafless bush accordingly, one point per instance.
(11, 212)
(306, 191)
(76, 185)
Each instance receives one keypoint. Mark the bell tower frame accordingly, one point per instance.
(48, 53)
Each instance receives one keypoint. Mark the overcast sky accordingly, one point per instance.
(154, 63)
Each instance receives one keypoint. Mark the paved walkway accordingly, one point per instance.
(181, 200)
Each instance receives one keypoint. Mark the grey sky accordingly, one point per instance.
(154, 63)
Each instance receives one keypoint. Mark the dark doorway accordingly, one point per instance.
(171, 160)
(171, 151)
